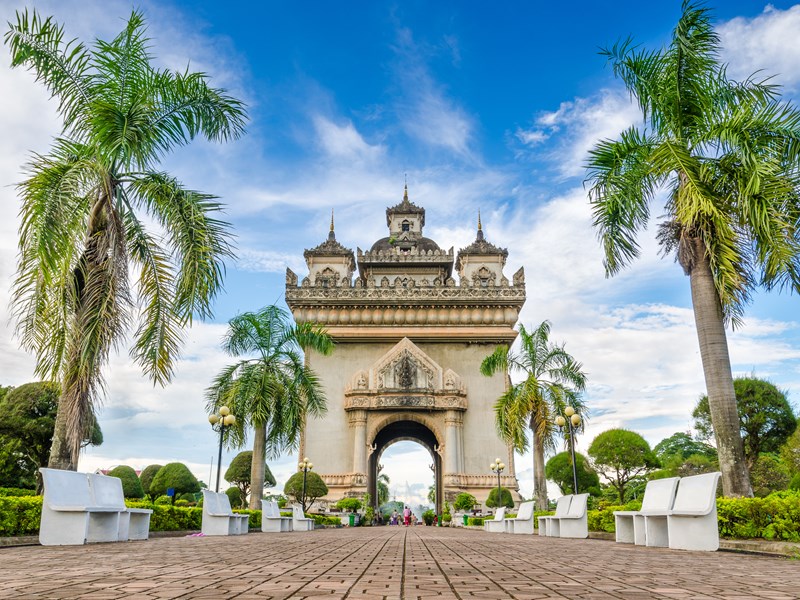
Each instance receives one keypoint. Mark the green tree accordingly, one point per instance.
(559, 470)
(505, 498)
(619, 456)
(239, 471)
(86, 207)
(727, 153)
(790, 451)
(552, 380)
(146, 478)
(315, 488)
(176, 476)
(432, 494)
(235, 497)
(769, 475)
(464, 502)
(273, 390)
(766, 418)
(26, 429)
(131, 485)
(682, 445)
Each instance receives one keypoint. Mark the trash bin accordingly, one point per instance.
(466, 520)
(439, 520)
(352, 519)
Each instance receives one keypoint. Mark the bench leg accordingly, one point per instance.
(139, 526)
(63, 528)
(656, 533)
(639, 531)
(103, 527)
(624, 526)
(694, 533)
(124, 527)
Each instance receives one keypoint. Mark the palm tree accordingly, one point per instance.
(271, 389)
(727, 154)
(553, 379)
(383, 489)
(85, 212)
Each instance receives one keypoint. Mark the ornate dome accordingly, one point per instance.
(421, 243)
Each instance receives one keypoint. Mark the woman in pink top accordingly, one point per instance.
(407, 516)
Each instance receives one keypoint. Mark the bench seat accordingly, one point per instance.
(219, 518)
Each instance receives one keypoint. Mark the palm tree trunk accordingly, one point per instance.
(257, 466)
(710, 324)
(539, 479)
(60, 455)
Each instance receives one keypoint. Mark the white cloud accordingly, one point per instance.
(578, 125)
(424, 109)
(267, 261)
(768, 43)
(343, 142)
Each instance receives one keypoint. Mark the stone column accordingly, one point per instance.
(358, 421)
(453, 462)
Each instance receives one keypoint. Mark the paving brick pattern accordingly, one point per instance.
(388, 563)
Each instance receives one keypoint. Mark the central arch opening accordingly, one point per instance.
(402, 431)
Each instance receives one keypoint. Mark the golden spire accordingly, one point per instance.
(405, 193)
(331, 219)
(479, 220)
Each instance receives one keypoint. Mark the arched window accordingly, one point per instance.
(406, 226)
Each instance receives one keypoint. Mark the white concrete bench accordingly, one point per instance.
(76, 512)
(550, 523)
(299, 521)
(575, 523)
(271, 519)
(523, 522)
(659, 494)
(692, 522)
(496, 525)
(219, 519)
(134, 523)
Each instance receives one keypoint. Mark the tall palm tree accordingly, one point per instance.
(383, 489)
(271, 389)
(728, 155)
(86, 206)
(553, 379)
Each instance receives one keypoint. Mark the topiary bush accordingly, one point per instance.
(235, 497)
(464, 502)
(505, 499)
(475, 521)
(775, 517)
(428, 516)
(131, 485)
(176, 476)
(20, 515)
(348, 504)
(146, 478)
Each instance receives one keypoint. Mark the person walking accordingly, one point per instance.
(407, 516)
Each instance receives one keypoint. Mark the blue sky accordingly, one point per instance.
(480, 106)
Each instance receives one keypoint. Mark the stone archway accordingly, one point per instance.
(396, 430)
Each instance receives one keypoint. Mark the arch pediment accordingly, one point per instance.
(405, 377)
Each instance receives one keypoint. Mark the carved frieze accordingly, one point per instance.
(398, 401)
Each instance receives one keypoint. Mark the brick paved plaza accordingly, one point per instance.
(390, 563)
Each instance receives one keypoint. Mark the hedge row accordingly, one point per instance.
(776, 517)
(4, 491)
(21, 516)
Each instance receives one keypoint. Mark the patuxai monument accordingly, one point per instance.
(412, 323)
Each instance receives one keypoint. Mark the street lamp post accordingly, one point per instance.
(572, 421)
(305, 466)
(497, 467)
(221, 421)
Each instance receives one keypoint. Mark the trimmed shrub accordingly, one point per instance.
(505, 498)
(234, 497)
(348, 504)
(163, 500)
(775, 517)
(146, 478)
(464, 502)
(174, 475)
(15, 492)
(475, 521)
(131, 486)
(20, 515)
(428, 516)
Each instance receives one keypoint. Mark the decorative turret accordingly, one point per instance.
(330, 264)
(481, 263)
